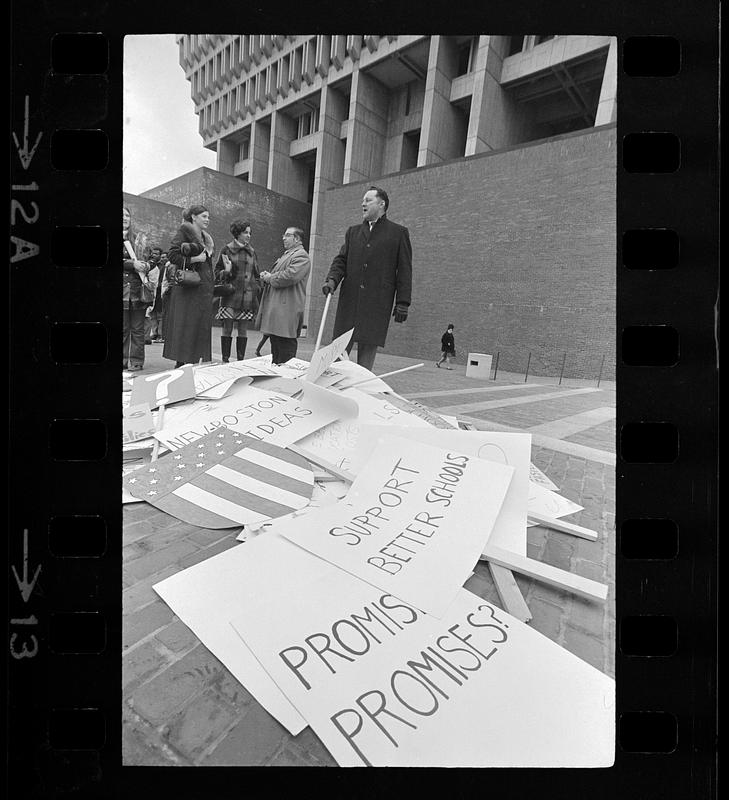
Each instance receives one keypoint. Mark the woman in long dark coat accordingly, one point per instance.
(237, 268)
(189, 323)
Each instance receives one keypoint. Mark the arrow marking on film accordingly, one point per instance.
(26, 156)
(26, 589)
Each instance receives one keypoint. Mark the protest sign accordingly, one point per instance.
(414, 408)
(550, 504)
(205, 596)
(264, 415)
(224, 480)
(137, 423)
(513, 449)
(163, 388)
(407, 524)
(537, 476)
(337, 441)
(383, 684)
(220, 390)
(324, 356)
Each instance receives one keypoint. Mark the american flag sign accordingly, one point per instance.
(224, 480)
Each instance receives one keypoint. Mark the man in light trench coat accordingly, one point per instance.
(374, 268)
(281, 313)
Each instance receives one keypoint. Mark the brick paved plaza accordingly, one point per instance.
(181, 706)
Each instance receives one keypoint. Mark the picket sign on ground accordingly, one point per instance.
(206, 595)
(269, 416)
(137, 423)
(323, 357)
(163, 388)
(536, 475)
(564, 527)
(509, 530)
(335, 443)
(383, 684)
(407, 523)
(548, 503)
(353, 372)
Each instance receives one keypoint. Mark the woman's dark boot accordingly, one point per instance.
(240, 347)
(225, 343)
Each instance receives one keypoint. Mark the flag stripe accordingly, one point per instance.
(255, 501)
(279, 452)
(272, 470)
(262, 488)
(191, 512)
(218, 505)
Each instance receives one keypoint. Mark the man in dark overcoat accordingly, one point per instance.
(374, 268)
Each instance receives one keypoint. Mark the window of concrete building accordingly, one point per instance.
(410, 145)
(541, 39)
(466, 56)
(236, 50)
(244, 150)
(516, 44)
(307, 123)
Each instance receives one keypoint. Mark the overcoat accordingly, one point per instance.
(189, 319)
(132, 283)
(243, 276)
(374, 270)
(284, 297)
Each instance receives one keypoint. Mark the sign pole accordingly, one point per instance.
(160, 423)
(323, 320)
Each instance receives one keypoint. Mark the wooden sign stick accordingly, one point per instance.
(342, 474)
(158, 427)
(509, 592)
(323, 320)
(564, 527)
(384, 375)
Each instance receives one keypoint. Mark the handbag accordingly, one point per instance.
(223, 289)
(187, 276)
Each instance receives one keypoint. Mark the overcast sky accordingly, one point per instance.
(161, 139)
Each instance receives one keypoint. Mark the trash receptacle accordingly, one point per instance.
(478, 366)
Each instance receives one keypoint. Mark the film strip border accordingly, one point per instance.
(64, 535)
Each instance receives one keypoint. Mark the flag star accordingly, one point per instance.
(199, 465)
(132, 480)
(152, 469)
(153, 481)
(221, 436)
(177, 478)
(220, 453)
(152, 492)
(201, 445)
(180, 466)
(178, 457)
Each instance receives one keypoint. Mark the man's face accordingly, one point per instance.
(289, 239)
(156, 254)
(372, 206)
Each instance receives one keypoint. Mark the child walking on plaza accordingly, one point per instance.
(448, 347)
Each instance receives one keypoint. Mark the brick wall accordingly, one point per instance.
(515, 247)
(227, 198)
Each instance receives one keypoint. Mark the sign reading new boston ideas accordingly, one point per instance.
(407, 524)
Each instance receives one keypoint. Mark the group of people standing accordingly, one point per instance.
(373, 268)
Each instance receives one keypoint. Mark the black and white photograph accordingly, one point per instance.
(334, 552)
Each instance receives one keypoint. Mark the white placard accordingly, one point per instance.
(220, 390)
(513, 449)
(137, 423)
(337, 442)
(166, 387)
(324, 356)
(407, 524)
(383, 684)
(353, 372)
(550, 504)
(268, 416)
(207, 594)
(537, 476)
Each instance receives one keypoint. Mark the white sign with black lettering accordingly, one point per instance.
(383, 684)
(408, 524)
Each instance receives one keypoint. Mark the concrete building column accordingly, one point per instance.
(438, 137)
(286, 175)
(329, 172)
(367, 128)
(227, 156)
(607, 110)
(495, 120)
(259, 152)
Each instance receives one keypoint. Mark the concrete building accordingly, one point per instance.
(304, 115)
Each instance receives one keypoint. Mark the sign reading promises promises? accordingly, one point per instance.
(383, 684)
(408, 524)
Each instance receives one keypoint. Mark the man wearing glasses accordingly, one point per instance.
(281, 313)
